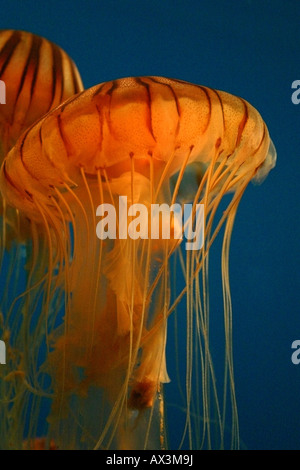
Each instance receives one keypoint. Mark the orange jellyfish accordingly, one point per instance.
(36, 76)
(92, 323)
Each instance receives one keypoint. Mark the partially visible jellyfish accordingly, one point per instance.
(38, 75)
(91, 327)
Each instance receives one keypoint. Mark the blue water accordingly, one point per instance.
(251, 49)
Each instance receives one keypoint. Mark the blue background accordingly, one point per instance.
(251, 49)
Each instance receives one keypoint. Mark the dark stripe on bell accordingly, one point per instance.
(149, 104)
(8, 50)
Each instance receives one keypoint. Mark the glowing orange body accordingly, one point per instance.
(38, 75)
(128, 137)
(146, 119)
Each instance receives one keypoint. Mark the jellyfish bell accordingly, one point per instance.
(152, 140)
(38, 75)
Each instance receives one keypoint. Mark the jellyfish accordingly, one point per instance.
(36, 75)
(91, 327)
